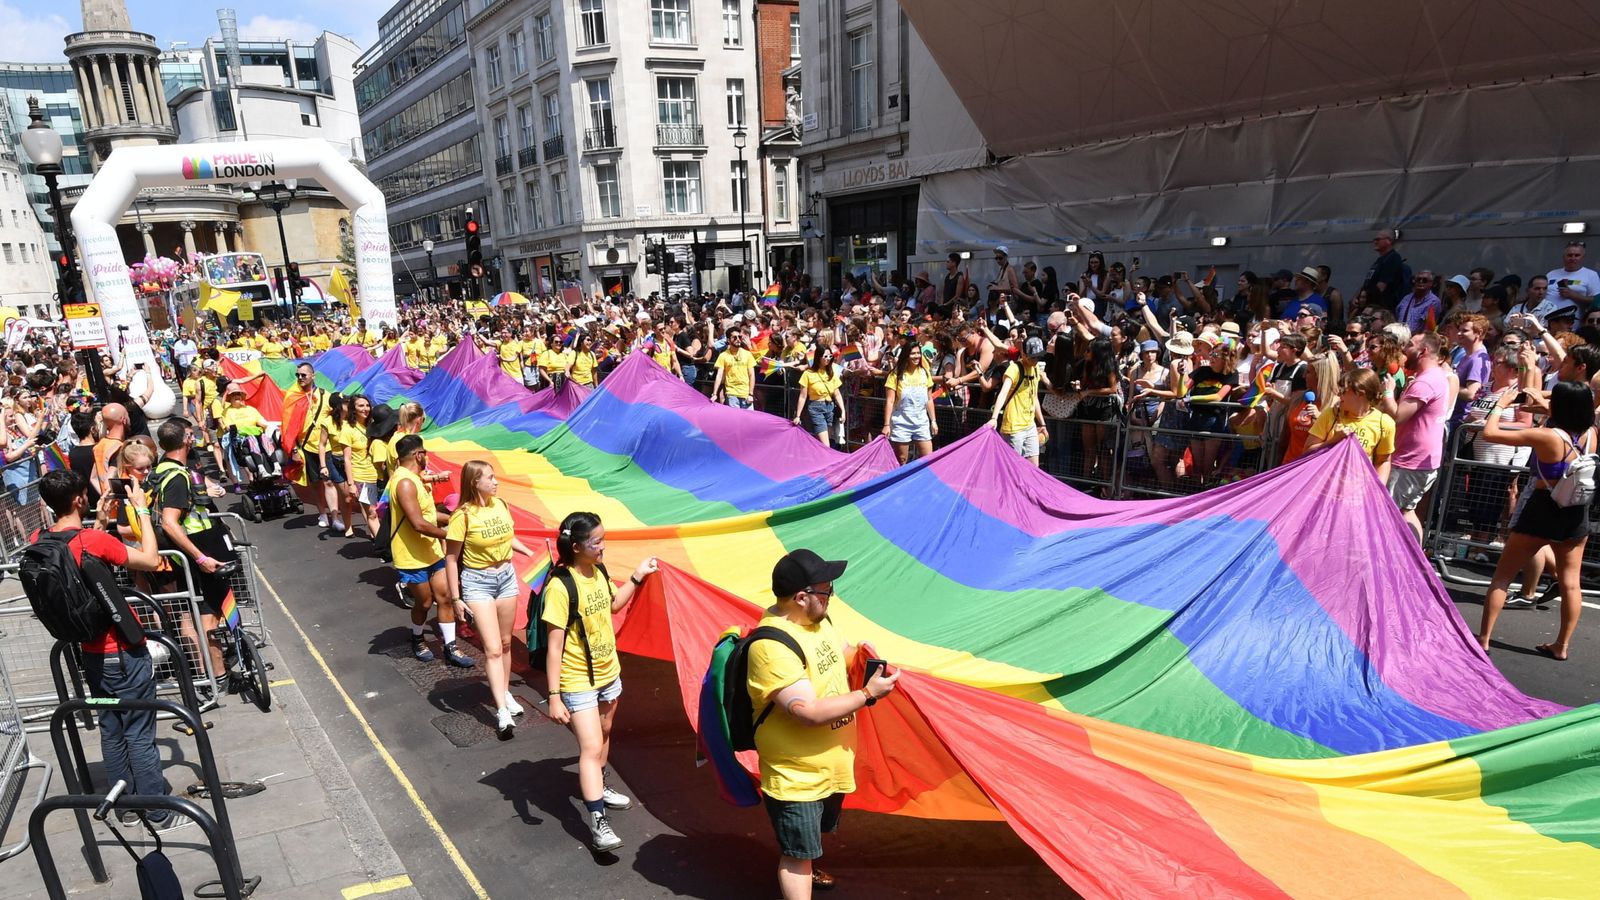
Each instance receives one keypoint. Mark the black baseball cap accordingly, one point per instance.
(801, 569)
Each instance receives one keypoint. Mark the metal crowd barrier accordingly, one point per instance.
(245, 581)
(21, 512)
(16, 759)
(1473, 505)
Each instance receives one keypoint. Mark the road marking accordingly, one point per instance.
(377, 887)
(384, 754)
(283, 683)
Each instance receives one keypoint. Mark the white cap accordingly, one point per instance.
(1003, 249)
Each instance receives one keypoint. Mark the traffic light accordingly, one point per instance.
(652, 257)
(69, 279)
(474, 242)
(296, 283)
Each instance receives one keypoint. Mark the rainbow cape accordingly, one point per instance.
(1251, 693)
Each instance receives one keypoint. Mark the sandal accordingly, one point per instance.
(1547, 650)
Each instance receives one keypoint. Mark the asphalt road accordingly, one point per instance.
(505, 813)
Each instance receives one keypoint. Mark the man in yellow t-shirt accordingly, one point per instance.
(736, 373)
(414, 536)
(806, 740)
(1016, 408)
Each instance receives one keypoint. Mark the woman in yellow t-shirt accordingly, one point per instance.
(361, 473)
(320, 342)
(478, 545)
(820, 403)
(908, 416)
(581, 361)
(581, 663)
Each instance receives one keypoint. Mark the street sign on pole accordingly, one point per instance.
(88, 330)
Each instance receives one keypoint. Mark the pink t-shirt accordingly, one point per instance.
(1419, 441)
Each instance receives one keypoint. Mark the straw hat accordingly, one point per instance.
(1181, 344)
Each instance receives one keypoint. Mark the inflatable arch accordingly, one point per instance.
(128, 169)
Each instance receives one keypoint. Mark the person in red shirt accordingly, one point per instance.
(112, 666)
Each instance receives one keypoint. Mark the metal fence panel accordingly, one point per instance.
(16, 760)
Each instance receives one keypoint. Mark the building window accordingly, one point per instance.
(491, 64)
(593, 16)
(608, 191)
(794, 35)
(732, 24)
(739, 180)
(6, 249)
(545, 28)
(600, 104)
(525, 136)
(862, 80)
(680, 183)
(735, 102)
(558, 192)
(552, 116)
(675, 101)
(780, 191)
(519, 53)
(535, 205)
(509, 207)
(670, 22)
(502, 137)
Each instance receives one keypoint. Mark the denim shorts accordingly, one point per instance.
(578, 701)
(800, 824)
(368, 492)
(335, 468)
(418, 576)
(1025, 442)
(741, 402)
(489, 584)
(819, 416)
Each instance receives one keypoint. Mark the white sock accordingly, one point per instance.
(447, 632)
(416, 631)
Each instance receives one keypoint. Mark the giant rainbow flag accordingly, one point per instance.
(1260, 691)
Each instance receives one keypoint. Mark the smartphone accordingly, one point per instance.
(119, 487)
(874, 666)
(1521, 398)
(1136, 262)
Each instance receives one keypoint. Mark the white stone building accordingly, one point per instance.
(27, 273)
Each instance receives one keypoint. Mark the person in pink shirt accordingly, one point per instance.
(1419, 417)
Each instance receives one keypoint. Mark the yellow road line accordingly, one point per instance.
(282, 683)
(383, 753)
(377, 887)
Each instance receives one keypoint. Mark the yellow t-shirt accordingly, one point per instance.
(820, 385)
(438, 346)
(321, 342)
(362, 469)
(663, 355)
(245, 417)
(802, 762)
(738, 372)
(410, 549)
(553, 362)
(917, 377)
(594, 609)
(1375, 430)
(485, 533)
(271, 349)
(379, 451)
(1018, 414)
(416, 353)
(583, 366)
(256, 341)
(511, 358)
(202, 390)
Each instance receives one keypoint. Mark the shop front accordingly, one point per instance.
(871, 232)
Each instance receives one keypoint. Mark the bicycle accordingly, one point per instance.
(246, 670)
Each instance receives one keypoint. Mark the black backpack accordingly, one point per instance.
(75, 602)
(537, 643)
(742, 721)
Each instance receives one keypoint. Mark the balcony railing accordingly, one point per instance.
(604, 138)
(680, 135)
(526, 157)
(555, 147)
(502, 165)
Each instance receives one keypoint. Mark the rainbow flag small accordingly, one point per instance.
(938, 392)
(850, 353)
(769, 297)
(1211, 276)
(767, 365)
(758, 344)
(52, 459)
(1431, 322)
(541, 575)
(616, 290)
(649, 343)
(230, 610)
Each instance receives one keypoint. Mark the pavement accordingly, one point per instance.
(385, 777)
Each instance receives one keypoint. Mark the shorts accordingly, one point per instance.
(1025, 442)
(741, 402)
(578, 701)
(819, 416)
(312, 467)
(800, 824)
(418, 576)
(335, 468)
(909, 421)
(1409, 486)
(368, 492)
(1542, 517)
(489, 584)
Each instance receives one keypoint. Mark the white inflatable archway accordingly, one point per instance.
(128, 169)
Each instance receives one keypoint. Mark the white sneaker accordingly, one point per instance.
(601, 837)
(615, 800)
(515, 707)
(338, 524)
(504, 726)
(322, 521)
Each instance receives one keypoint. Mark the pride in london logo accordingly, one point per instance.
(229, 165)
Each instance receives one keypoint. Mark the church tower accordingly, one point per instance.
(119, 81)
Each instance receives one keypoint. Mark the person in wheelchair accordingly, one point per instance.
(255, 451)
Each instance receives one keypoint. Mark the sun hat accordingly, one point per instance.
(1181, 344)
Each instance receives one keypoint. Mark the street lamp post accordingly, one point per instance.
(739, 140)
(43, 146)
(433, 275)
(278, 196)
